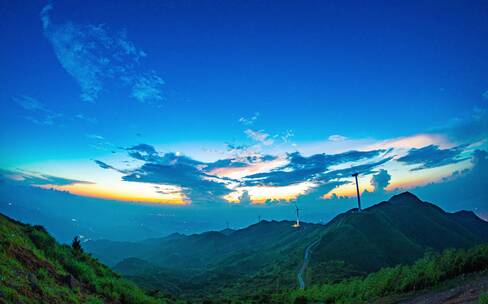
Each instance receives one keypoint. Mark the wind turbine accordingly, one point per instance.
(357, 191)
(297, 224)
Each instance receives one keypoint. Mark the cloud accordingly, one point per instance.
(82, 117)
(381, 180)
(485, 94)
(147, 87)
(207, 182)
(337, 138)
(197, 186)
(432, 156)
(287, 135)
(100, 143)
(363, 169)
(315, 168)
(245, 198)
(104, 165)
(144, 152)
(316, 193)
(469, 128)
(247, 121)
(480, 159)
(38, 112)
(38, 179)
(173, 169)
(93, 55)
(462, 190)
(259, 136)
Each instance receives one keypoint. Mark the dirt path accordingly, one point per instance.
(306, 257)
(464, 291)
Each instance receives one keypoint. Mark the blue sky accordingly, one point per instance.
(278, 92)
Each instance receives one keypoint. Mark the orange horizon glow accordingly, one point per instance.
(127, 195)
(260, 194)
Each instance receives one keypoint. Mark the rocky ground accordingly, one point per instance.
(460, 290)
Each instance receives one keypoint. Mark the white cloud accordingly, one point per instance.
(259, 136)
(247, 121)
(147, 88)
(38, 112)
(94, 55)
(337, 138)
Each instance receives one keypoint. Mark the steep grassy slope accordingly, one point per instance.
(36, 269)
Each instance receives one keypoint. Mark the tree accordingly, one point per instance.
(76, 244)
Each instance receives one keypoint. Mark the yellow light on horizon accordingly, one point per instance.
(260, 194)
(123, 191)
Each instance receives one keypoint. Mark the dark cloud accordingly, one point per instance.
(103, 165)
(463, 190)
(239, 162)
(199, 185)
(432, 156)
(468, 128)
(173, 169)
(381, 180)
(143, 152)
(314, 168)
(363, 169)
(479, 159)
(38, 179)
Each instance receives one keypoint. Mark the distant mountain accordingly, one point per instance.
(34, 268)
(266, 256)
(268, 252)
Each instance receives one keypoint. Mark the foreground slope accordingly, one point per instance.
(454, 276)
(34, 268)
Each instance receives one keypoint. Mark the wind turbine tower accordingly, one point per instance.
(357, 191)
(297, 224)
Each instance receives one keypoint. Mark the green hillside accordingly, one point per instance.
(34, 268)
(254, 262)
(395, 232)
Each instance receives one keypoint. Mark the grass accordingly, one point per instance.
(483, 299)
(34, 268)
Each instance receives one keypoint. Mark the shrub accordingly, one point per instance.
(426, 272)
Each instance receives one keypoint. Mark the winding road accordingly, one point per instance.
(306, 258)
